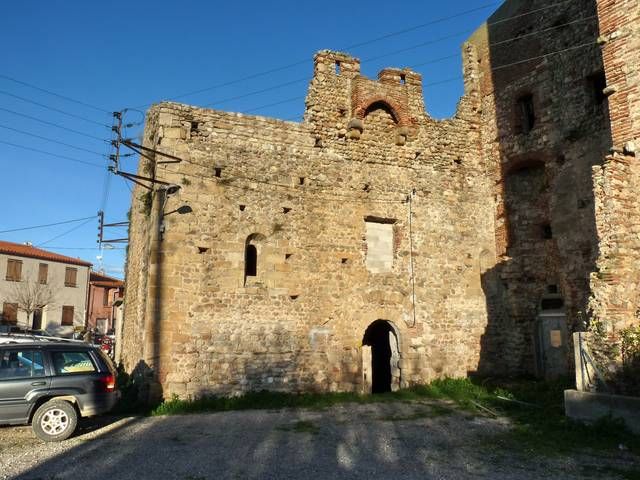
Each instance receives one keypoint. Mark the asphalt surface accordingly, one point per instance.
(375, 441)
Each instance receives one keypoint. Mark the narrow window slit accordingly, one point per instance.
(242, 207)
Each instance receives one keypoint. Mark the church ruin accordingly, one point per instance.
(370, 247)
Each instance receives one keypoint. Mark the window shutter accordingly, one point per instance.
(67, 315)
(10, 313)
(14, 270)
(70, 277)
(43, 272)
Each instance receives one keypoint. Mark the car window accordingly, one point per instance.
(72, 362)
(21, 364)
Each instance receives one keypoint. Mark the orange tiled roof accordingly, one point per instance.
(29, 251)
(101, 280)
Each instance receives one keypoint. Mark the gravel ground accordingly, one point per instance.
(421, 440)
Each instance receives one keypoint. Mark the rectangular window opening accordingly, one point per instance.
(67, 315)
(14, 270)
(597, 82)
(71, 277)
(9, 313)
(526, 113)
(337, 67)
(379, 238)
(43, 271)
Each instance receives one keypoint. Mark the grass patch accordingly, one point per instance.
(543, 428)
(301, 426)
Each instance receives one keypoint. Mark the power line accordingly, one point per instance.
(448, 80)
(64, 157)
(383, 37)
(256, 92)
(69, 99)
(47, 224)
(79, 117)
(412, 47)
(389, 191)
(45, 122)
(589, 44)
(530, 12)
(67, 232)
(356, 45)
(52, 140)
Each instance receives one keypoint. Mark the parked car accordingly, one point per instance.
(11, 329)
(52, 384)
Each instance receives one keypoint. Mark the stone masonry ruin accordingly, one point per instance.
(371, 247)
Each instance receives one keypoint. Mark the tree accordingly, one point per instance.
(30, 296)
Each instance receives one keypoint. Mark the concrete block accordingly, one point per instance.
(590, 407)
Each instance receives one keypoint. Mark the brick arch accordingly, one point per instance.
(394, 109)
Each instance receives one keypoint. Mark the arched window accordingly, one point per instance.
(253, 246)
(250, 261)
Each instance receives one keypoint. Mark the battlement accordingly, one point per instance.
(337, 63)
(340, 98)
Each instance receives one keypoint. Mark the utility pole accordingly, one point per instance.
(146, 182)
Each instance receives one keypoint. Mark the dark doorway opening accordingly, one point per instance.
(37, 319)
(377, 336)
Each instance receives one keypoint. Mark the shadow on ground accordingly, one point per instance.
(425, 440)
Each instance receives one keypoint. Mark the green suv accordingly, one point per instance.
(52, 384)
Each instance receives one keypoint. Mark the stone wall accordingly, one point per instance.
(545, 125)
(301, 195)
(615, 283)
(458, 233)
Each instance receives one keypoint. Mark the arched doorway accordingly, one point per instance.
(380, 358)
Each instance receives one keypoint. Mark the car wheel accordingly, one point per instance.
(54, 421)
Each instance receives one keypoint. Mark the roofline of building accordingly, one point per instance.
(18, 250)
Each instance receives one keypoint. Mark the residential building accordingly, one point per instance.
(104, 293)
(42, 290)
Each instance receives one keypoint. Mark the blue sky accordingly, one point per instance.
(113, 55)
